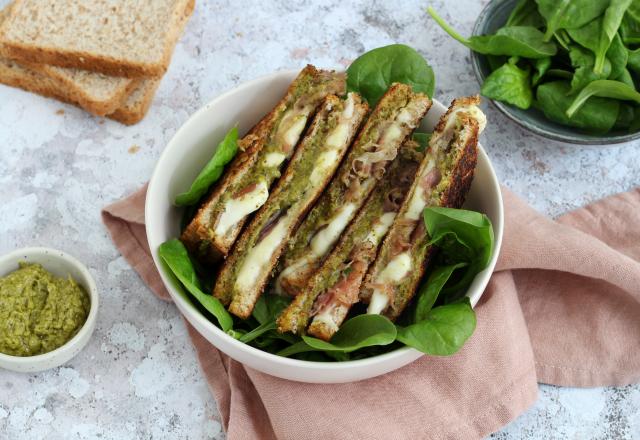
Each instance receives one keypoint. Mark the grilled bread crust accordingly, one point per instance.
(198, 236)
(453, 197)
(242, 303)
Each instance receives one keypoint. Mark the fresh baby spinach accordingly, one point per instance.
(444, 330)
(212, 171)
(177, 259)
(603, 89)
(569, 14)
(522, 41)
(372, 73)
(509, 84)
(598, 115)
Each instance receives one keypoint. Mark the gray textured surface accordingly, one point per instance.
(138, 377)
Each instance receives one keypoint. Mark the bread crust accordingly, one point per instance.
(130, 115)
(105, 64)
(453, 197)
(293, 284)
(242, 302)
(199, 230)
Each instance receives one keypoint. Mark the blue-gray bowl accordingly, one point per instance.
(492, 18)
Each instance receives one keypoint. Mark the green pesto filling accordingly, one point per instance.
(334, 267)
(294, 196)
(306, 85)
(335, 196)
(445, 162)
(39, 312)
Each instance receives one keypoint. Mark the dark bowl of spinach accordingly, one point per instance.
(541, 80)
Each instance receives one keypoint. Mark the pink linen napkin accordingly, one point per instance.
(563, 307)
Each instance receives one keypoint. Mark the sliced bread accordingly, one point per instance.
(131, 112)
(96, 93)
(129, 38)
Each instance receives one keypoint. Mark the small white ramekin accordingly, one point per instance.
(62, 265)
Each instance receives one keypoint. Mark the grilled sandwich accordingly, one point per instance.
(264, 152)
(395, 117)
(335, 286)
(249, 265)
(443, 179)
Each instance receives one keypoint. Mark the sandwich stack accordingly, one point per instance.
(324, 202)
(107, 57)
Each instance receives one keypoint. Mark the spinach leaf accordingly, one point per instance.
(258, 331)
(422, 139)
(598, 115)
(269, 306)
(559, 73)
(525, 13)
(462, 236)
(633, 60)
(175, 255)
(627, 79)
(609, 29)
(605, 89)
(541, 66)
(212, 171)
(569, 14)
(358, 332)
(444, 330)
(509, 84)
(522, 41)
(626, 117)
(618, 57)
(630, 26)
(372, 73)
(429, 291)
(583, 61)
(496, 61)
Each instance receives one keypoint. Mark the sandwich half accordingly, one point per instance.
(395, 117)
(265, 150)
(249, 265)
(443, 179)
(335, 286)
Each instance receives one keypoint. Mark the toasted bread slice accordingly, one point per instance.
(128, 38)
(444, 179)
(265, 149)
(336, 284)
(395, 117)
(249, 265)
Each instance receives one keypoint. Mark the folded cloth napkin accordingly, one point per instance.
(563, 307)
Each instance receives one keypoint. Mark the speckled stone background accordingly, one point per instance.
(138, 377)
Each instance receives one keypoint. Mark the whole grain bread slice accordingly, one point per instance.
(127, 38)
(96, 93)
(132, 111)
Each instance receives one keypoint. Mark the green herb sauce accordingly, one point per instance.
(39, 312)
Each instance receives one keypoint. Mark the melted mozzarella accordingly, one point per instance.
(392, 134)
(274, 159)
(417, 202)
(380, 228)
(335, 142)
(292, 135)
(394, 272)
(473, 111)
(260, 255)
(237, 209)
(323, 240)
(288, 271)
(326, 160)
(326, 317)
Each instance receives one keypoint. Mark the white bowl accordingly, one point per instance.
(62, 265)
(182, 160)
